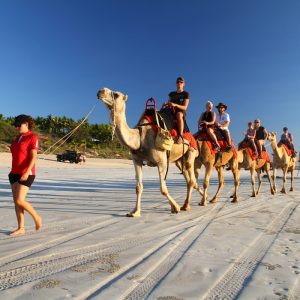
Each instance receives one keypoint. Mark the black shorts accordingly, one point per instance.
(16, 178)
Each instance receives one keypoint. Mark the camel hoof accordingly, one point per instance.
(185, 208)
(253, 195)
(175, 210)
(213, 200)
(291, 189)
(203, 203)
(283, 191)
(234, 200)
(133, 215)
(272, 192)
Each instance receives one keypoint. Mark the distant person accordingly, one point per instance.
(261, 136)
(179, 99)
(24, 153)
(250, 135)
(287, 139)
(207, 122)
(222, 122)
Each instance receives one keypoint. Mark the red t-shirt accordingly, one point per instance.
(20, 150)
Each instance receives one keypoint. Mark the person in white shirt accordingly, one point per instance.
(222, 122)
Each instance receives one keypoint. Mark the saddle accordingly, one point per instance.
(167, 120)
(289, 151)
(264, 154)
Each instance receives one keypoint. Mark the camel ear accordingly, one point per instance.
(125, 97)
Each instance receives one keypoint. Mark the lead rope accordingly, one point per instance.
(69, 134)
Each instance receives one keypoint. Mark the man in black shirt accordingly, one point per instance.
(179, 99)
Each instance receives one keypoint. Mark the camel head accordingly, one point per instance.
(112, 99)
(272, 136)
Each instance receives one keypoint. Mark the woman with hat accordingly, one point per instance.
(222, 122)
(24, 153)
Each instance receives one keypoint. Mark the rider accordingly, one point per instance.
(261, 136)
(207, 122)
(222, 122)
(179, 99)
(287, 139)
(249, 137)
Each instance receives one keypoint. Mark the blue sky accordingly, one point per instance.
(56, 54)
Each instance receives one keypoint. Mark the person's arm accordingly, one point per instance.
(213, 119)
(182, 107)
(226, 121)
(291, 139)
(33, 156)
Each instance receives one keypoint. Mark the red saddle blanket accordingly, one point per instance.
(264, 155)
(186, 135)
(223, 145)
(289, 151)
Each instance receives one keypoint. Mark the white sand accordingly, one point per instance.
(88, 248)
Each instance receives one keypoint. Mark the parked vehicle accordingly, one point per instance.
(69, 155)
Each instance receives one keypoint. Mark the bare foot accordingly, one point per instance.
(38, 223)
(18, 232)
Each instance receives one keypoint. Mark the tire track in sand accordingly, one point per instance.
(155, 271)
(40, 267)
(231, 283)
(54, 242)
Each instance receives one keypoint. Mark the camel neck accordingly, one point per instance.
(276, 150)
(127, 136)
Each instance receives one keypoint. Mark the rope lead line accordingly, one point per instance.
(69, 134)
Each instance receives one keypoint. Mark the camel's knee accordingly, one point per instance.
(139, 189)
(164, 191)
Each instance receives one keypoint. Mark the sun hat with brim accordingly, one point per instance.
(285, 128)
(222, 105)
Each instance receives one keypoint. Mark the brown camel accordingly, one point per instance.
(246, 162)
(141, 142)
(209, 160)
(281, 160)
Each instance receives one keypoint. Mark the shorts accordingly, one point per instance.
(13, 178)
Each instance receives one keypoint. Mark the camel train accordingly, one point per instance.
(141, 141)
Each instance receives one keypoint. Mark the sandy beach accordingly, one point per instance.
(89, 249)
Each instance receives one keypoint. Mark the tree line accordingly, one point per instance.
(57, 127)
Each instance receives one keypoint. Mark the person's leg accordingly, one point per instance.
(259, 148)
(212, 135)
(21, 192)
(252, 145)
(226, 135)
(19, 213)
(180, 123)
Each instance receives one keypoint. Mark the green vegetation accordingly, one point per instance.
(91, 139)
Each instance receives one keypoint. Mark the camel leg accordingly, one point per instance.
(190, 177)
(162, 168)
(284, 170)
(220, 171)
(252, 174)
(292, 180)
(208, 169)
(136, 212)
(258, 172)
(274, 180)
(197, 173)
(267, 169)
(236, 177)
